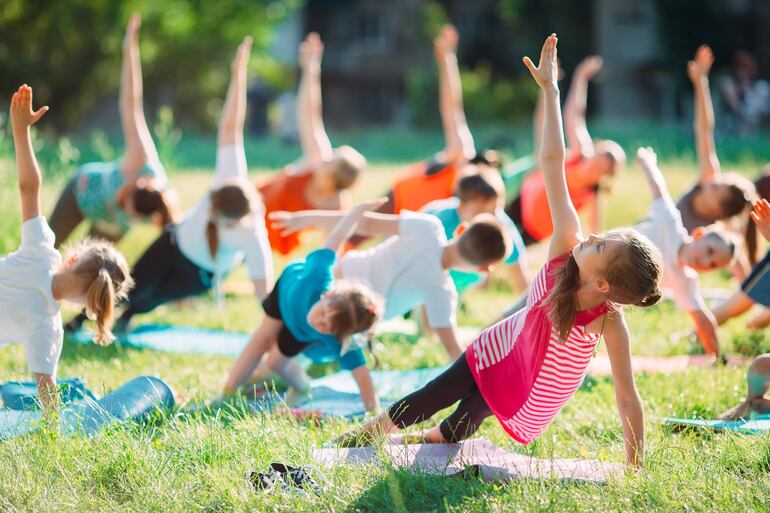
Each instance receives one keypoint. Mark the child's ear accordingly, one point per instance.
(698, 232)
(603, 285)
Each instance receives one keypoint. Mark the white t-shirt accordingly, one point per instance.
(665, 229)
(247, 239)
(406, 270)
(29, 314)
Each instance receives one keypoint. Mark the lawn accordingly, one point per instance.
(186, 462)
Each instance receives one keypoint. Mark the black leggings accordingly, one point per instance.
(164, 274)
(454, 384)
(66, 216)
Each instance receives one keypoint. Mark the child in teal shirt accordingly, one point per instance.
(308, 313)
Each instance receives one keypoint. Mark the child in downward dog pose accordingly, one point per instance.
(308, 313)
(525, 368)
(224, 228)
(322, 177)
(684, 255)
(33, 280)
(480, 192)
(112, 194)
(409, 269)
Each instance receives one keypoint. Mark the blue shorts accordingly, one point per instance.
(757, 285)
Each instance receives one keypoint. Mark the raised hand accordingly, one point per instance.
(242, 55)
(761, 217)
(546, 74)
(311, 51)
(589, 67)
(646, 157)
(132, 29)
(446, 42)
(700, 66)
(22, 115)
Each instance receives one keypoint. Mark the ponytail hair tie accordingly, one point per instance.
(371, 309)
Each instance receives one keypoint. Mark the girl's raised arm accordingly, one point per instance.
(316, 147)
(567, 230)
(346, 226)
(231, 121)
(575, 106)
(698, 71)
(139, 145)
(23, 117)
(457, 135)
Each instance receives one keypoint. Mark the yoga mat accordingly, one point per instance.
(446, 459)
(600, 363)
(757, 425)
(135, 400)
(22, 395)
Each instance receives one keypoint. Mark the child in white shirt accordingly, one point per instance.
(33, 279)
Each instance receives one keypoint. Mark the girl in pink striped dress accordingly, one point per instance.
(525, 368)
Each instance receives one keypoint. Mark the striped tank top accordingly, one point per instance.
(524, 372)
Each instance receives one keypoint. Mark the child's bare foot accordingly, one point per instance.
(22, 114)
(242, 55)
(132, 29)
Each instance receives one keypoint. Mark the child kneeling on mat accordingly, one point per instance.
(33, 280)
(525, 368)
(308, 313)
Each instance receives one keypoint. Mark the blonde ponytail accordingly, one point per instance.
(100, 306)
(105, 279)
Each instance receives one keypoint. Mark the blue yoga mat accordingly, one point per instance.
(22, 395)
(337, 394)
(757, 425)
(135, 400)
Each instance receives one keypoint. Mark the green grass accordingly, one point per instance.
(197, 463)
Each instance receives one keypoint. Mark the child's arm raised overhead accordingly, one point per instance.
(231, 121)
(618, 341)
(457, 135)
(316, 147)
(647, 160)
(698, 71)
(23, 117)
(346, 225)
(567, 231)
(139, 145)
(575, 127)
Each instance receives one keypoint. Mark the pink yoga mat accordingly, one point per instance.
(496, 464)
(600, 364)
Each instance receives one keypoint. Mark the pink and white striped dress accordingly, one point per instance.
(524, 372)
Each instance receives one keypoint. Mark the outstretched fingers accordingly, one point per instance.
(547, 70)
(21, 107)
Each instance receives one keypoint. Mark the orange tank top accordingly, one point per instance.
(414, 188)
(284, 192)
(535, 212)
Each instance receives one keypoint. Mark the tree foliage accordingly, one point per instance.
(70, 51)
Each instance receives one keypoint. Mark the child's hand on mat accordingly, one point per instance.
(700, 67)
(22, 114)
(546, 73)
(132, 30)
(646, 157)
(589, 67)
(761, 217)
(311, 51)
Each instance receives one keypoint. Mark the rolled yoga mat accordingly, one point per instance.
(134, 401)
(22, 395)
